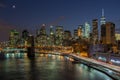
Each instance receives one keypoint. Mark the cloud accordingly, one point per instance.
(5, 30)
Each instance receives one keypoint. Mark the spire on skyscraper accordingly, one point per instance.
(102, 12)
(103, 18)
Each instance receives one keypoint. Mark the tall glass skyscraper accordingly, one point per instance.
(103, 18)
(87, 30)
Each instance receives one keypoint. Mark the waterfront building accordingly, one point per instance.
(4, 44)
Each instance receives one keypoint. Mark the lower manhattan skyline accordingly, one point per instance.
(59, 40)
(69, 14)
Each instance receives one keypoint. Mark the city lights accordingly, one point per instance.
(59, 40)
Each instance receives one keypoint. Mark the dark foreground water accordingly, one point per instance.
(49, 67)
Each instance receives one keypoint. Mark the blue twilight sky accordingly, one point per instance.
(31, 14)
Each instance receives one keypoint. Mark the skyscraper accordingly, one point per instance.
(51, 30)
(51, 37)
(43, 30)
(67, 35)
(80, 31)
(59, 35)
(95, 31)
(24, 38)
(42, 37)
(108, 33)
(117, 37)
(75, 34)
(103, 18)
(67, 38)
(87, 30)
(25, 34)
(14, 37)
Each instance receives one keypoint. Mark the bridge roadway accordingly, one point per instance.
(109, 69)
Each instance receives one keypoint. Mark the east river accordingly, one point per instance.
(47, 67)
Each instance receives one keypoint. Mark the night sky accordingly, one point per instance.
(31, 14)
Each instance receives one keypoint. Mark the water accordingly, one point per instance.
(49, 67)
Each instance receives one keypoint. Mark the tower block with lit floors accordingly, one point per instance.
(108, 33)
(95, 31)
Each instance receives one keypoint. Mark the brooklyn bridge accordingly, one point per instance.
(40, 49)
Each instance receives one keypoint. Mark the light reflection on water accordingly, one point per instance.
(47, 67)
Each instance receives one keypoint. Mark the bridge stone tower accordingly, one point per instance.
(30, 48)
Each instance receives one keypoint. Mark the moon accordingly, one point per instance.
(13, 6)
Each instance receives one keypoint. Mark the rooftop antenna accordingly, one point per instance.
(102, 12)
